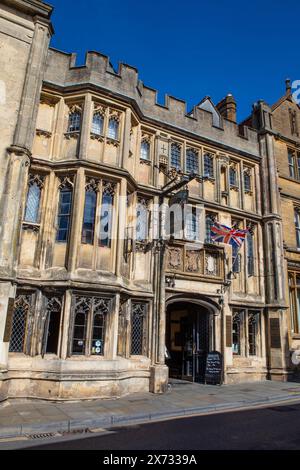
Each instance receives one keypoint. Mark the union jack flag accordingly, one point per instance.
(223, 234)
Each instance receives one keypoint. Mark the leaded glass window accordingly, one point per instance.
(113, 129)
(297, 226)
(191, 225)
(33, 202)
(88, 226)
(64, 215)
(253, 318)
(208, 165)
(145, 150)
(142, 220)
(138, 329)
(89, 325)
(19, 324)
(247, 180)
(209, 222)
(106, 216)
(74, 122)
(236, 333)
(97, 124)
(250, 254)
(233, 176)
(192, 161)
(176, 156)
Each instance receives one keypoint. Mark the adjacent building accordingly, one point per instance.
(91, 303)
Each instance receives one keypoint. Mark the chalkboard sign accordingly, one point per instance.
(214, 368)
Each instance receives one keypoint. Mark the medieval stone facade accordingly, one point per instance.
(91, 303)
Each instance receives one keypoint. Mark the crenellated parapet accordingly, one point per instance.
(98, 72)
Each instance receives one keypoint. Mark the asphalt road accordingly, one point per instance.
(276, 427)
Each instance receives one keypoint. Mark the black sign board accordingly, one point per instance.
(214, 368)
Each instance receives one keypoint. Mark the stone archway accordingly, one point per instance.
(190, 336)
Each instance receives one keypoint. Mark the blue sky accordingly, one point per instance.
(190, 48)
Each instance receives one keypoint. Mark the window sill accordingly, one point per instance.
(112, 141)
(143, 161)
(234, 188)
(43, 133)
(98, 137)
(212, 179)
(31, 226)
(72, 135)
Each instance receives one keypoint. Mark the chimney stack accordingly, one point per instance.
(227, 107)
(288, 87)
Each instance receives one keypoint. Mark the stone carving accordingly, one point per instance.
(211, 264)
(192, 261)
(92, 185)
(174, 258)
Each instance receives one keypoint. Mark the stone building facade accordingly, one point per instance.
(91, 303)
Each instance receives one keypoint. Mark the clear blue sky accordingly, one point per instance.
(190, 48)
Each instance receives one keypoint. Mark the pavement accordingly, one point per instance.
(34, 418)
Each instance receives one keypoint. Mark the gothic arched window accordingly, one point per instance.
(74, 121)
(113, 128)
(98, 123)
(145, 150)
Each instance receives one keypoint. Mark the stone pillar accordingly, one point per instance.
(276, 304)
(78, 207)
(86, 127)
(159, 371)
(18, 155)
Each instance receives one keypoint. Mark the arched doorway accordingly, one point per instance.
(189, 337)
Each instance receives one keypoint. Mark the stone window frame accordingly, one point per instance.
(192, 160)
(297, 225)
(28, 300)
(248, 179)
(144, 202)
(125, 324)
(74, 109)
(246, 315)
(39, 179)
(107, 305)
(294, 291)
(211, 175)
(101, 111)
(213, 216)
(66, 182)
(293, 157)
(98, 186)
(179, 147)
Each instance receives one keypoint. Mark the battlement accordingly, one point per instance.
(205, 120)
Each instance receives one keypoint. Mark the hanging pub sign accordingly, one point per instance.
(214, 368)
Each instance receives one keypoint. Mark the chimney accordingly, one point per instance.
(227, 107)
(288, 87)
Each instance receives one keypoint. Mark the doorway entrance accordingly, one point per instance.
(187, 341)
